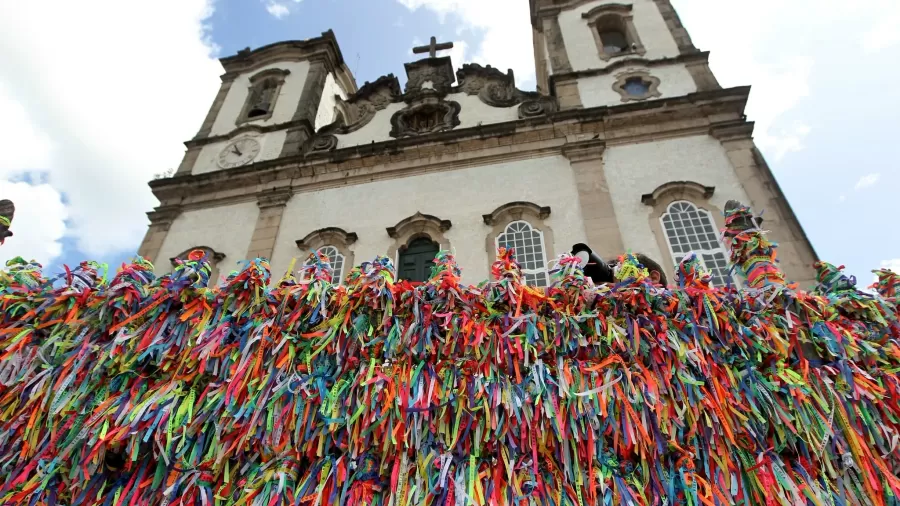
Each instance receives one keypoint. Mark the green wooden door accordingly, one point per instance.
(417, 259)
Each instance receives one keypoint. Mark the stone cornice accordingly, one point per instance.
(677, 187)
(584, 150)
(732, 131)
(164, 215)
(572, 132)
(276, 197)
(261, 129)
(324, 46)
(323, 236)
(542, 212)
(418, 221)
(692, 58)
(539, 11)
(605, 9)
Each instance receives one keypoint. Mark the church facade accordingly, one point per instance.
(628, 143)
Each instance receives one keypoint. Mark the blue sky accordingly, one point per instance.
(97, 96)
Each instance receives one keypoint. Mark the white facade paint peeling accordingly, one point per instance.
(225, 229)
(637, 169)
(461, 196)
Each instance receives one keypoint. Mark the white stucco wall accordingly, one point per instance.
(674, 81)
(637, 169)
(225, 229)
(461, 196)
(325, 114)
(270, 147)
(649, 23)
(285, 105)
(472, 112)
(377, 130)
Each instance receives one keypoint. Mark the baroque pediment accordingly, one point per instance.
(425, 118)
(497, 89)
(359, 109)
(430, 82)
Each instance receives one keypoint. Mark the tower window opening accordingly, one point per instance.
(262, 99)
(614, 41)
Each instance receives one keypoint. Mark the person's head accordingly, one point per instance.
(657, 274)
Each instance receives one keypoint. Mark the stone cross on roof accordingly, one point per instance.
(433, 47)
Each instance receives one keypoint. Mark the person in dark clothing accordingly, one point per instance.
(601, 271)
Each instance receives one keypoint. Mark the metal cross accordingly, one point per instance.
(433, 47)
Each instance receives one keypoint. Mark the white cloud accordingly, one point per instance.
(279, 9)
(765, 50)
(885, 31)
(505, 26)
(39, 223)
(842, 198)
(892, 265)
(866, 181)
(109, 101)
(458, 53)
(27, 148)
(416, 42)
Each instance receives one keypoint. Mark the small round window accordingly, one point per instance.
(636, 86)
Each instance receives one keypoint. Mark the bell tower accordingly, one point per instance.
(672, 146)
(592, 53)
(270, 102)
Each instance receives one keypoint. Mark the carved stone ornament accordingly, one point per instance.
(321, 143)
(425, 118)
(418, 223)
(491, 85)
(636, 86)
(359, 109)
(428, 77)
(497, 89)
(327, 236)
(537, 107)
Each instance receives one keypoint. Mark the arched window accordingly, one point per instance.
(689, 229)
(417, 240)
(612, 35)
(334, 244)
(262, 99)
(527, 244)
(416, 259)
(335, 260)
(614, 31)
(262, 94)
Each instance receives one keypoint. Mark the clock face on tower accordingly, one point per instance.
(239, 152)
